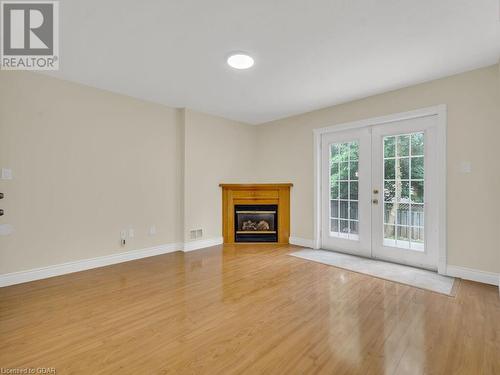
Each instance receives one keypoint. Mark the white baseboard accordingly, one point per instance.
(86, 264)
(304, 242)
(473, 275)
(200, 244)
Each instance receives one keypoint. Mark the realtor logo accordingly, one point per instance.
(29, 35)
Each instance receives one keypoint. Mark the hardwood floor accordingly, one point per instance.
(245, 309)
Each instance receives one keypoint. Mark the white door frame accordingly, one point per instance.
(441, 112)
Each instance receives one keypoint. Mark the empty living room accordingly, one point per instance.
(250, 187)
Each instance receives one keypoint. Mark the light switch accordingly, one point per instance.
(6, 174)
(6, 229)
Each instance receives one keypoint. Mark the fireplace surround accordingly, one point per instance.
(256, 213)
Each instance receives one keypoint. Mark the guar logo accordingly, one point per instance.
(30, 35)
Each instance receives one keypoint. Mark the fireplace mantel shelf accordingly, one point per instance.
(256, 194)
(255, 186)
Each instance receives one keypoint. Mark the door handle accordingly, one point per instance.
(375, 201)
(375, 191)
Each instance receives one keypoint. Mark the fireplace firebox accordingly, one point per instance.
(256, 223)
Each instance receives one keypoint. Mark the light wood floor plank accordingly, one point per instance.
(245, 310)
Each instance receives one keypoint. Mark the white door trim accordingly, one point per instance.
(441, 112)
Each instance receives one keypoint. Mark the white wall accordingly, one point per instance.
(473, 100)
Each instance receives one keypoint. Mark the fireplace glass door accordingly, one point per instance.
(256, 223)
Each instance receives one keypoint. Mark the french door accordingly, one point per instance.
(380, 192)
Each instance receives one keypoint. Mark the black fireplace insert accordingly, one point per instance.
(256, 223)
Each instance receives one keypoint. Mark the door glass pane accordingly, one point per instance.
(343, 152)
(353, 190)
(417, 167)
(389, 234)
(403, 142)
(389, 147)
(353, 227)
(404, 189)
(344, 228)
(389, 169)
(389, 191)
(417, 215)
(404, 200)
(403, 167)
(417, 144)
(334, 225)
(353, 170)
(344, 159)
(344, 207)
(334, 170)
(334, 190)
(344, 189)
(417, 191)
(334, 208)
(389, 214)
(354, 151)
(403, 215)
(353, 206)
(344, 171)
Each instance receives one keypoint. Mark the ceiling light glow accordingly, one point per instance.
(240, 61)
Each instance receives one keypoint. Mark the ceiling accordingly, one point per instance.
(308, 54)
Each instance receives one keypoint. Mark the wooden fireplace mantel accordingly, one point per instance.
(278, 194)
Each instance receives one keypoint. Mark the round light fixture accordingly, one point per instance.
(240, 61)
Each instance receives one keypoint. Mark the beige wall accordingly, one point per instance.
(216, 150)
(473, 100)
(86, 163)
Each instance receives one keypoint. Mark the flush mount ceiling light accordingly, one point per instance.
(240, 60)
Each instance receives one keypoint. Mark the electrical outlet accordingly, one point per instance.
(123, 237)
(152, 230)
(131, 233)
(199, 233)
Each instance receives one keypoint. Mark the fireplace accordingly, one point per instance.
(256, 213)
(256, 223)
